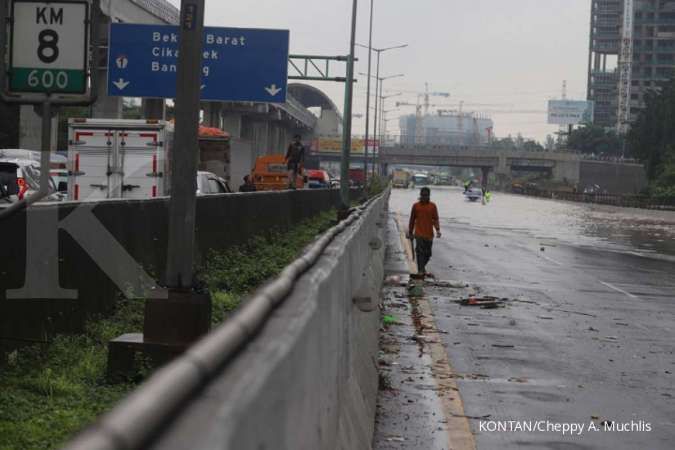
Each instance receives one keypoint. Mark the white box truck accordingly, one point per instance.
(112, 158)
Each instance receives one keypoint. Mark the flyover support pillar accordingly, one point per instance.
(232, 124)
(486, 175)
(154, 109)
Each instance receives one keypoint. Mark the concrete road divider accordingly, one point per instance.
(294, 368)
(82, 237)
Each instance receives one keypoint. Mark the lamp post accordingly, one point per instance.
(347, 128)
(386, 120)
(377, 79)
(370, 58)
(381, 81)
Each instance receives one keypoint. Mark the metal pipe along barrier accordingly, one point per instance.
(137, 420)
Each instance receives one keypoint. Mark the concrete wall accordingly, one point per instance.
(613, 177)
(310, 375)
(141, 228)
(567, 171)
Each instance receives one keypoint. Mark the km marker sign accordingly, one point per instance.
(49, 43)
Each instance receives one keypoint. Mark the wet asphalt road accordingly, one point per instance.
(588, 333)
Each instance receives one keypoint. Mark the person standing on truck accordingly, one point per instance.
(423, 221)
(295, 158)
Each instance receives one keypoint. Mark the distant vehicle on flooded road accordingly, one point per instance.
(420, 179)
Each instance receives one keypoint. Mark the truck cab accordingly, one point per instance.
(270, 173)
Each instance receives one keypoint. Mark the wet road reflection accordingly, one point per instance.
(621, 229)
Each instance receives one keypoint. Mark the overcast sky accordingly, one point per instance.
(511, 53)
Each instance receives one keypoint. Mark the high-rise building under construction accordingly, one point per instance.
(632, 50)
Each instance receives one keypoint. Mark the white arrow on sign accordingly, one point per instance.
(202, 87)
(273, 90)
(121, 84)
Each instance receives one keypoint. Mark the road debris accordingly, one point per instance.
(448, 284)
(484, 302)
(389, 320)
(518, 380)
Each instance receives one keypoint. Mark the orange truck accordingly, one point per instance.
(270, 174)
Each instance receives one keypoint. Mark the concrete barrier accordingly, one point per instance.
(306, 379)
(613, 177)
(141, 229)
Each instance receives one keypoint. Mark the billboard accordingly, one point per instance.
(570, 112)
(334, 145)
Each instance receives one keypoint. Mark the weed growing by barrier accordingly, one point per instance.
(50, 391)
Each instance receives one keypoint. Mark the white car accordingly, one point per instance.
(20, 177)
(473, 194)
(210, 183)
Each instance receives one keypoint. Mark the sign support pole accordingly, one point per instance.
(186, 148)
(171, 324)
(45, 157)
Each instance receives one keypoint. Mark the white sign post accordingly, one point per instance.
(49, 47)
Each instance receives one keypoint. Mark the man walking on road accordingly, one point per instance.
(423, 221)
(295, 157)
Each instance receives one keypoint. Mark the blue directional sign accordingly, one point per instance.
(240, 64)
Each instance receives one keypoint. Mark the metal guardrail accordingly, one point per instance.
(139, 417)
(625, 201)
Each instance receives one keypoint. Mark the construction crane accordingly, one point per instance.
(423, 101)
(625, 67)
(428, 95)
(419, 117)
(419, 128)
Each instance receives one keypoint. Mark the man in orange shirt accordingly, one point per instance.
(423, 221)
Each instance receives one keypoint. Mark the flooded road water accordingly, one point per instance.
(585, 333)
(623, 229)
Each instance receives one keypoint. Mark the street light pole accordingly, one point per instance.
(377, 87)
(370, 57)
(347, 127)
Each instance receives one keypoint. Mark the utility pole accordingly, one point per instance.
(347, 128)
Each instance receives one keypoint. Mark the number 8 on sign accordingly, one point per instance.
(48, 51)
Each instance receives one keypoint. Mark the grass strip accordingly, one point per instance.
(50, 391)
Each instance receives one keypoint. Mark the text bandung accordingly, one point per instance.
(173, 68)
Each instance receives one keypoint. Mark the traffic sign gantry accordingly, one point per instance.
(239, 64)
(49, 47)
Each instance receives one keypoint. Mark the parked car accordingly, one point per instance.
(20, 176)
(318, 179)
(210, 183)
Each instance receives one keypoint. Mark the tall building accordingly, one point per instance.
(652, 35)
(446, 129)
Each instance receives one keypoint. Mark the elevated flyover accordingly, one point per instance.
(614, 176)
(561, 166)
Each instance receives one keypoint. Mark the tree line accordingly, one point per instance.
(652, 139)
